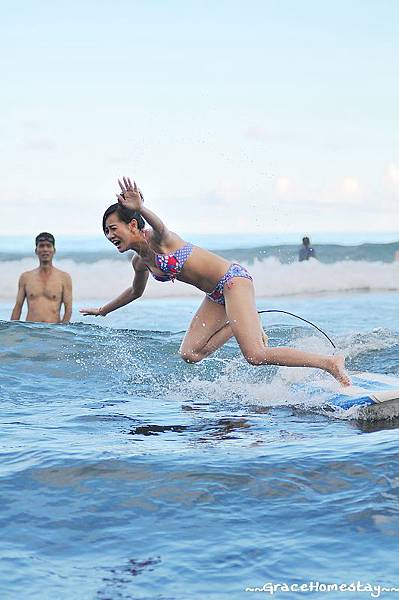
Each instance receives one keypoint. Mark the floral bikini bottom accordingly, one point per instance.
(235, 270)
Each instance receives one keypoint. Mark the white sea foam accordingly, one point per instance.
(377, 340)
(272, 278)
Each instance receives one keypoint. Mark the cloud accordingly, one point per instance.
(391, 175)
(350, 188)
(284, 186)
(258, 133)
(40, 144)
(346, 191)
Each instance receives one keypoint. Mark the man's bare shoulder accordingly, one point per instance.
(67, 279)
(63, 274)
(26, 275)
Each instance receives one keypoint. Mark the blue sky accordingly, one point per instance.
(232, 116)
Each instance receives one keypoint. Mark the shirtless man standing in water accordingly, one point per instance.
(44, 288)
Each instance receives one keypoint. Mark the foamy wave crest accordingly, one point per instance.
(275, 279)
(272, 278)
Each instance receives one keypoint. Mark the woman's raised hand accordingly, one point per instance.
(131, 196)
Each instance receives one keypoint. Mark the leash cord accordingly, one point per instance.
(285, 312)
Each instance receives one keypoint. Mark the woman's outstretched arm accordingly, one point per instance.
(131, 293)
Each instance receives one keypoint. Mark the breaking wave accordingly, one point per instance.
(272, 278)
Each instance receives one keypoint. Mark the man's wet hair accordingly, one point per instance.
(124, 214)
(305, 241)
(45, 236)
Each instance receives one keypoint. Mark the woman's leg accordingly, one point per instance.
(244, 322)
(208, 331)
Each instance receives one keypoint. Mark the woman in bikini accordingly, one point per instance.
(228, 308)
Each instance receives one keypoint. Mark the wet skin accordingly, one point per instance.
(45, 289)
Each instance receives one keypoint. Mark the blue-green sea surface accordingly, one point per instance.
(128, 474)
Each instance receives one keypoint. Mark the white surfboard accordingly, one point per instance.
(376, 396)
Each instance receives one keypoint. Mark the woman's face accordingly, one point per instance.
(119, 233)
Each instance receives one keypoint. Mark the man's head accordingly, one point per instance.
(45, 247)
(305, 241)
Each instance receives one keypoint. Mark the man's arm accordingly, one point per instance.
(21, 295)
(67, 298)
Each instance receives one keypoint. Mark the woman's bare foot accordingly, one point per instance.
(337, 369)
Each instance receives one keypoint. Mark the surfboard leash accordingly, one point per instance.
(285, 312)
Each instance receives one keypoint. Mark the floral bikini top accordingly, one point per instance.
(172, 264)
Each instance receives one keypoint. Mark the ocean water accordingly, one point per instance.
(356, 263)
(128, 474)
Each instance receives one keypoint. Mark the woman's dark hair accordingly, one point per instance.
(124, 214)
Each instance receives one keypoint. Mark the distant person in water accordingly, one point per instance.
(306, 251)
(45, 288)
(228, 309)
